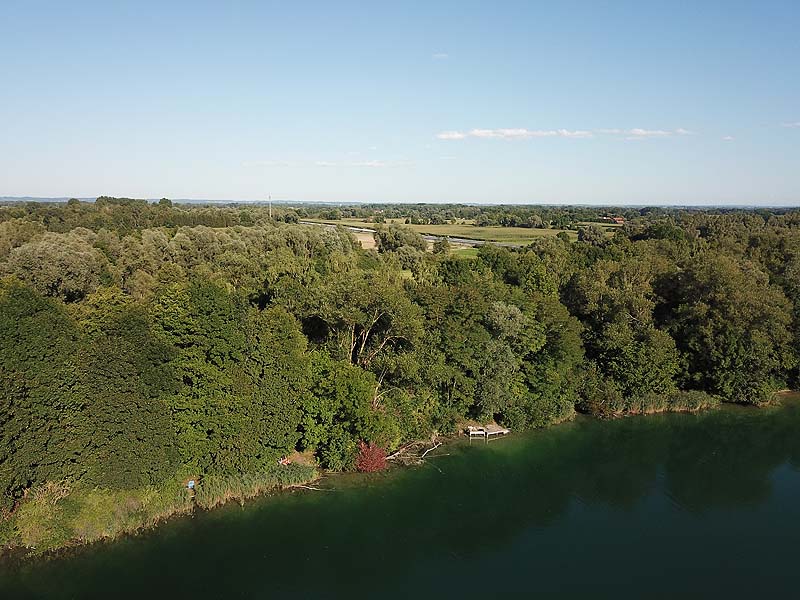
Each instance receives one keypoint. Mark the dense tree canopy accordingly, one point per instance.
(141, 342)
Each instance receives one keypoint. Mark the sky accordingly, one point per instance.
(476, 102)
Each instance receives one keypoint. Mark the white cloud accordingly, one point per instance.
(793, 125)
(522, 133)
(574, 134)
(728, 138)
(440, 56)
(642, 134)
(526, 133)
(511, 134)
(645, 133)
(451, 135)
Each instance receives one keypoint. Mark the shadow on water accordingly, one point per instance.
(655, 506)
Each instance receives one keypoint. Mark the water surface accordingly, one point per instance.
(662, 506)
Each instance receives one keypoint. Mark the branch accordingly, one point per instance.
(374, 353)
(375, 395)
(430, 449)
(316, 489)
(401, 450)
(352, 342)
(368, 330)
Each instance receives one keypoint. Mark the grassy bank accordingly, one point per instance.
(215, 491)
(60, 515)
(608, 403)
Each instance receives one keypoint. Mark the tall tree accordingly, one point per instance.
(733, 326)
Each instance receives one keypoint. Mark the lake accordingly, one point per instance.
(661, 506)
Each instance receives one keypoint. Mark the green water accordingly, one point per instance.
(664, 506)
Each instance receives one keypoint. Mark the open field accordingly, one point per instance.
(367, 240)
(465, 252)
(512, 235)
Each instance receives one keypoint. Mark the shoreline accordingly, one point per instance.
(186, 506)
(20, 554)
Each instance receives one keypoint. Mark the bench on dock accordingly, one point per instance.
(486, 432)
(476, 432)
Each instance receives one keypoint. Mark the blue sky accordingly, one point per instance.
(526, 102)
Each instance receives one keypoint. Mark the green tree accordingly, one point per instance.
(205, 324)
(733, 326)
(68, 267)
(279, 370)
(39, 404)
(339, 412)
(393, 237)
(125, 375)
(591, 234)
(616, 302)
(442, 246)
(359, 316)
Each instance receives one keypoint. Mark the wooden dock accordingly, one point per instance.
(486, 432)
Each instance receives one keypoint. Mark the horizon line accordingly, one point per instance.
(60, 199)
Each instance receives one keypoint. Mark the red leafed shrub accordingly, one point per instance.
(371, 458)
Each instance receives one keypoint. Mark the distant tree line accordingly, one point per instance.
(539, 216)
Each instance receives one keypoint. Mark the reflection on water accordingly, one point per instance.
(696, 505)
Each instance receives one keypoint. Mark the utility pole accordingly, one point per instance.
(270, 206)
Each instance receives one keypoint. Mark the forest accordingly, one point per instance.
(146, 344)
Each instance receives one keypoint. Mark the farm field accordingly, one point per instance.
(511, 235)
(465, 252)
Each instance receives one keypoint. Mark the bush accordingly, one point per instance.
(371, 458)
(600, 396)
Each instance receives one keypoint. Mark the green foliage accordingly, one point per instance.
(601, 397)
(16, 232)
(56, 513)
(551, 373)
(125, 373)
(67, 267)
(203, 322)
(214, 490)
(143, 344)
(641, 361)
(591, 234)
(734, 326)
(392, 238)
(279, 371)
(442, 246)
(242, 375)
(616, 301)
(39, 404)
(526, 270)
(360, 316)
(339, 412)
